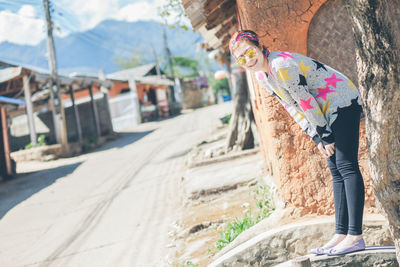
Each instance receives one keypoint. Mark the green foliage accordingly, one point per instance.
(219, 86)
(41, 141)
(185, 62)
(233, 229)
(89, 142)
(136, 59)
(263, 203)
(226, 119)
(188, 264)
(174, 15)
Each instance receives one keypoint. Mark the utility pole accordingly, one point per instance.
(57, 107)
(167, 52)
(156, 61)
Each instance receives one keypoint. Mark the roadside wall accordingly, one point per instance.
(19, 130)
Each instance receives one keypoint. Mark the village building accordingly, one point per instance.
(27, 111)
(95, 107)
(156, 94)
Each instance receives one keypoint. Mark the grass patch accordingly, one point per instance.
(188, 264)
(234, 228)
(41, 141)
(226, 119)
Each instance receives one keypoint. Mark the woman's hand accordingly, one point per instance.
(327, 150)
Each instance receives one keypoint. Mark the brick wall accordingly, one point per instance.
(331, 40)
(291, 158)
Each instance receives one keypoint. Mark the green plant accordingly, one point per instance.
(233, 229)
(41, 141)
(220, 86)
(174, 15)
(263, 203)
(134, 60)
(89, 141)
(189, 264)
(226, 119)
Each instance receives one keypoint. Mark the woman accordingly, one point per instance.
(327, 106)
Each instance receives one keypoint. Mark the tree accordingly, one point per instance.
(127, 63)
(240, 135)
(134, 60)
(219, 86)
(378, 64)
(174, 15)
(185, 67)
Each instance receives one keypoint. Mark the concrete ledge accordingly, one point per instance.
(371, 256)
(286, 242)
(231, 156)
(41, 153)
(221, 176)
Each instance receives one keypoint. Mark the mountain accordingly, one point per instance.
(99, 48)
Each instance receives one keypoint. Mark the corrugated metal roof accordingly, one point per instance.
(140, 75)
(135, 73)
(155, 80)
(9, 72)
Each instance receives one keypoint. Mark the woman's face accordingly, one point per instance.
(249, 56)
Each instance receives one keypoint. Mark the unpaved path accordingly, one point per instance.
(112, 207)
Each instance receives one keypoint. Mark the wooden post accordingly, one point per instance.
(301, 262)
(155, 61)
(63, 123)
(94, 111)
(135, 99)
(29, 109)
(228, 63)
(6, 169)
(58, 115)
(107, 104)
(106, 97)
(54, 112)
(76, 115)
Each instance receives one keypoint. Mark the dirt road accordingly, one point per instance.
(112, 207)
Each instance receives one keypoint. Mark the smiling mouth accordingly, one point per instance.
(253, 64)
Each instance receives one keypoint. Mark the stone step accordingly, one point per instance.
(384, 256)
(269, 243)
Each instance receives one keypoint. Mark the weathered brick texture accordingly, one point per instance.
(331, 39)
(291, 158)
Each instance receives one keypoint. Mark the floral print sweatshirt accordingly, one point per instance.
(311, 92)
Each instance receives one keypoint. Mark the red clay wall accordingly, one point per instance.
(291, 158)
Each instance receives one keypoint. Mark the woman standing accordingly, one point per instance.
(327, 106)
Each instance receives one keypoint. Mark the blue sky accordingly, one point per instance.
(21, 21)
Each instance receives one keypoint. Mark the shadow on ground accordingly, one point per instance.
(123, 139)
(23, 186)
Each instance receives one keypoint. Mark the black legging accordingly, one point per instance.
(348, 184)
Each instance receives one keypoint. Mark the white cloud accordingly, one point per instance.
(27, 11)
(138, 11)
(91, 12)
(21, 27)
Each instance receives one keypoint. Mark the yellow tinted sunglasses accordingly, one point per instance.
(242, 59)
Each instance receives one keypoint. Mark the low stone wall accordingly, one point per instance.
(42, 153)
(45, 153)
(266, 247)
(382, 256)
